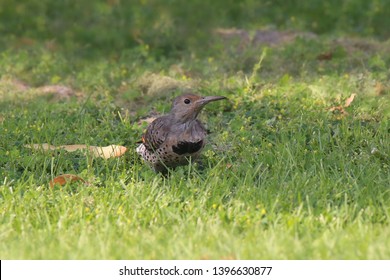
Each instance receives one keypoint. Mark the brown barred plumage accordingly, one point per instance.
(170, 140)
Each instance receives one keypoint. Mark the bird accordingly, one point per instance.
(173, 139)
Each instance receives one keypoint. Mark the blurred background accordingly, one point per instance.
(172, 26)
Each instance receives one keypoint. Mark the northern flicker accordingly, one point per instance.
(173, 139)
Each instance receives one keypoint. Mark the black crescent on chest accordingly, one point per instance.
(187, 147)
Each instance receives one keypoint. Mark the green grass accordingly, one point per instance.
(284, 177)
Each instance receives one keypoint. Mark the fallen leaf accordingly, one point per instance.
(341, 108)
(325, 56)
(349, 100)
(108, 151)
(65, 178)
(103, 152)
(338, 108)
(44, 147)
(25, 41)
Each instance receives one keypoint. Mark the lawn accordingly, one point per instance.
(297, 164)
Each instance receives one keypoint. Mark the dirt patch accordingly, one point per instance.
(244, 39)
(275, 38)
(158, 85)
(367, 45)
(11, 87)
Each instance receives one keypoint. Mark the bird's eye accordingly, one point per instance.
(187, 101)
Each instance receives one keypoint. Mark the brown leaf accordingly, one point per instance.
(25, 41)
(325, 56)
(103, 152)
(65, 178)
(349, 100)
(341, 108)
(338, 108)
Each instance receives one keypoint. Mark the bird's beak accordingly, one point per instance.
(207, 99)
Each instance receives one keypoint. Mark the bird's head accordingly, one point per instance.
(186, 107)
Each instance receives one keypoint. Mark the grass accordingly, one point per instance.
(284, 177)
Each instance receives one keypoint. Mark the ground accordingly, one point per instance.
(297, 160)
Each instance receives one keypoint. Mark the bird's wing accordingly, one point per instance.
(192, 142)
(155, 134)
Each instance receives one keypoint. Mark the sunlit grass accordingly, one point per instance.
(283, 176)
